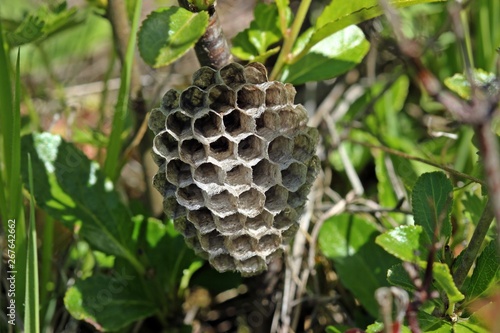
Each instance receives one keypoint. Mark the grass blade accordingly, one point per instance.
(32, 310)
(113, 161)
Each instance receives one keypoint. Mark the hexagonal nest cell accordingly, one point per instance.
(236, 162)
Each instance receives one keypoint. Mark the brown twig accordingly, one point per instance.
(212, 49)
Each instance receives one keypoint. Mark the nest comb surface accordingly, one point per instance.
(236, 163)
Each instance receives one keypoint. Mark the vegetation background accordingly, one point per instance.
(398, 235)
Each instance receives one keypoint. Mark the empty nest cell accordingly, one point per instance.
(276, 199)
(202, 220)
(230, 225)
(237, 122)
(275, 94)
(208, 173)
(239, 175)
(222, 204)
(251, 203)
(179, 173)
(178, 123)
(280, 150)
(170, 100)
(192, 99)
(255, 73)
(221, 98)
(166, 145)
(249, 96)
(223, 262)
(221, 149)
(265, 174)
(232, 74)
(190, 197)
(259, 224)
(192, 151)
(294, 176)
(208, 125)
(267, 123)
(204, 77)
(285, 219)
(241, 246)
(251, 266)
(156, 121)
(213, 243)
(268, 243)
(303, 147)
(250, 148)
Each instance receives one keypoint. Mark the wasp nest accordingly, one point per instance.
(236, 162)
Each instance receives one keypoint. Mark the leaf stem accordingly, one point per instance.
(290, 37)
(469, 255)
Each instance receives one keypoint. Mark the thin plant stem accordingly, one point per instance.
(469, 255)
(289, 39)
(421, 160)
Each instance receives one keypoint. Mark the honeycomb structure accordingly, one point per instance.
(236, 163)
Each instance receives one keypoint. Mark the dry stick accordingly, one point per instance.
(212, 49)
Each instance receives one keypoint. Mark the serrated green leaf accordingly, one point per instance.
(398, 276)
(168, 33)
(71, 188)
(340, 14)
(405, 242)
(109, 303)
(331, 57)
(253, 43)
(43, 23)
(431, 202)
(360, 263)
(485, 273)
(442, 276)
(459, 84)
(430, 324)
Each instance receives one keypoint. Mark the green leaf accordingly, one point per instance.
(331, 57)
(466, 326)
(72, 189)
(485, 273)
(459, 84)
(109, 302)
(168, 33)
(398, 276)
(340, 14)
(432, 201)
(442, 276)
(43, 23)
(428, 323)
(405, 242)
(32, 300)
(164, 251)
(360, 263)
(253, 43)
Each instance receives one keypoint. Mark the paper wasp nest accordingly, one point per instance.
(236, 162)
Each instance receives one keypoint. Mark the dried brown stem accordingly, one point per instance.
(212, 49)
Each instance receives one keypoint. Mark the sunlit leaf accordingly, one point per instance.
(253, 43)
(331, 57)
(168, 33)
(71, 188)
(459, 84)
